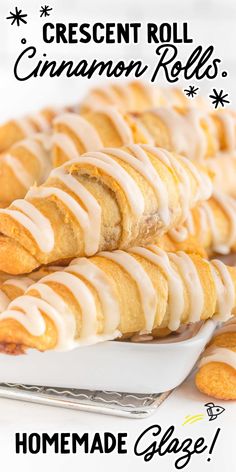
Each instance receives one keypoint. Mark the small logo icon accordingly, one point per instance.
(214, 410)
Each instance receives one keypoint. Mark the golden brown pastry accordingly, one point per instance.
(12, 287)
(26, 163)
(136, 96)
(107, 127)
(17, 129)
(116, 293)
(217, 368)
(211, 223)
(223, 169)
(105, 200)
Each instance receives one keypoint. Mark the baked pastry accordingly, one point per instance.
(217, 368)
(75, 134)
(136, 96)
(115, 293)
(212, 224)
(194, 133)
(223, 169)
(17, 129)
(116, 198)
(26, 163)
(12, 287)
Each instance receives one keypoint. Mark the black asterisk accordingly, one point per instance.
(45, 11)
(17, 16)
(219, 98)
(191, 91)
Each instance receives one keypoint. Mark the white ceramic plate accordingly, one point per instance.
(112, 365)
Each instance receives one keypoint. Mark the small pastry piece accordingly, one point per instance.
(212, 223)
(74, 134)
(26, 163)
(136, 96)
(217, 368)
(17, 129)
(115, 198)
(118, 293)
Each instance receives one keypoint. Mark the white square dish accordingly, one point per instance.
(112, 365)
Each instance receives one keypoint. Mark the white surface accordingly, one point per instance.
(25, 417)
(122, 367)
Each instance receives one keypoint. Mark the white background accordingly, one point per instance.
(211, 22)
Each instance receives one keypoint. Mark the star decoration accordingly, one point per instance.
(191, 91)
(45, 11)
(17, 16)
(219, 98)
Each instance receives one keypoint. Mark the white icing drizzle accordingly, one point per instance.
(66, 144)
(37, 149)
(83, 296)
(89, 219)
(146, 289)
(120, 124)
(25, 126)
(84, 131)
(40, 120)
(191, 278)
(21, 282)
(143, 165)
(115, 170)
(100, 281)
(185, 131)
(224, 289)
(228, 205)
(34, 221)
(229, 126)
(18, 169)
(4, 301)
(179, 234)
(175, 285)
(218, 354)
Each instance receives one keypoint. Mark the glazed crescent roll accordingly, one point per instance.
(17, 129)
(75, 134)
(116, 198)
(26, 163)
(136, 96)
(117, 293)
(217, 368)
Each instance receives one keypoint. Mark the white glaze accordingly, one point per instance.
(34, 221)
(146, 289)
(101, 282)
(194, 287)
(175, 284)
(218, 354)
(225, 290)
(18, 170)
(83, 130)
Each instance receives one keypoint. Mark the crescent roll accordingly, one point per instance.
(116, 198)
(217, 368)
(116, 293)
